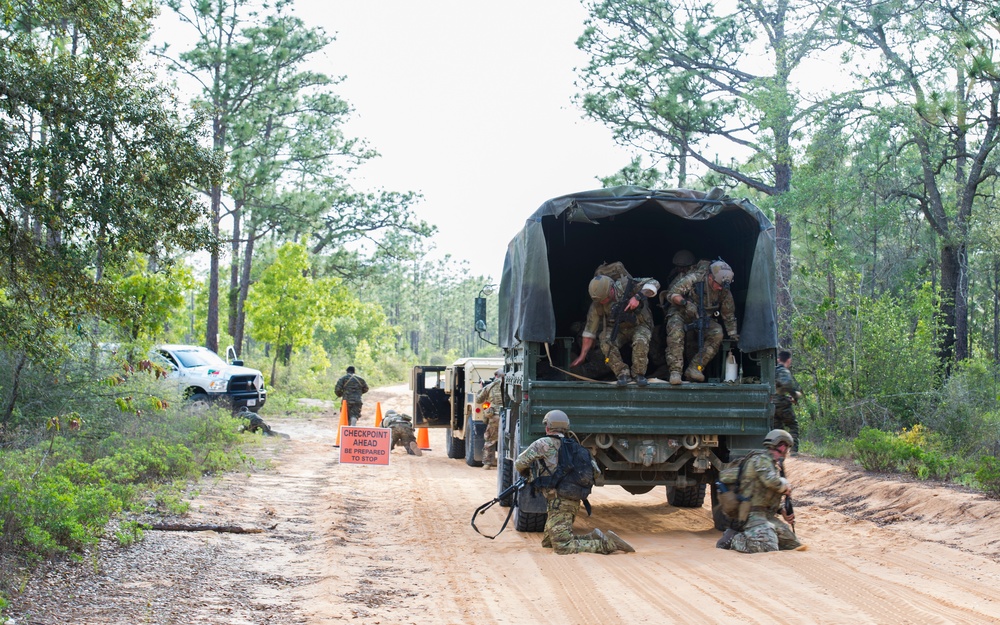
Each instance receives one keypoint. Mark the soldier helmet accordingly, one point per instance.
(722, 272)
(601, 287)
(390, 412)
(499, 372)
(556, 420)
(777, 437)
(683, 258)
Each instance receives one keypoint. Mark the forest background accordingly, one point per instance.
(882, 185)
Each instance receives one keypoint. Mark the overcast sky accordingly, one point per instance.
(469, 103)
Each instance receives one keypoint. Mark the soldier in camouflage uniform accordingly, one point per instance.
(562, 511)
(714, 278)
(787, 394)
(635, 325)
(491, 398)
(351, 386)
(763, 482)
(402, 432)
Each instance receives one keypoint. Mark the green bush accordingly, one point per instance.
(880, 451)
(917, 451)
(988, 475)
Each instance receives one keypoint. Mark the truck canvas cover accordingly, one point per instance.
(569, 236)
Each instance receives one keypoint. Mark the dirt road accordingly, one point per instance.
(393, 545)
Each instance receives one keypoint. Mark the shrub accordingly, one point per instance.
(988, 475)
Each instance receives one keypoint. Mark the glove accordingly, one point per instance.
(735, 338)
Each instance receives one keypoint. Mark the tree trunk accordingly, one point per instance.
(12, 393)
(212, 321)
(950, 285)
(244, 290)
(234, 272)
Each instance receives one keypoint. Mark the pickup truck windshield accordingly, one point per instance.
(199, 358)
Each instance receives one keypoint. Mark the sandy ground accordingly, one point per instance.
(394, 545)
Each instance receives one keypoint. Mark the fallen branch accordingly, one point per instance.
(180, 527)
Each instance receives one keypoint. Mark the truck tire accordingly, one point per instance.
(529, 521)
(198, 402)
(688, 497)
(505, 477)
(472, 442)
(454, 446)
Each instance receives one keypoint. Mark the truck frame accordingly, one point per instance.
(678, 437)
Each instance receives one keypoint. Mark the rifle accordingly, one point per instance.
(789, 511)
(510, 490)
(702, 320)
(618, 311)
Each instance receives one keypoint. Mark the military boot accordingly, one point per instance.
(727, 539)
(693, 371)
(490, 459)
(640, 380)
(675, 378)
(619, 543)
(622, 380)
(413, 449)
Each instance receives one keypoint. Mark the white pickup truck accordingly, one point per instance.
(205, 377)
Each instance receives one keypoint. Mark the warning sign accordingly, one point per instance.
(364, 445)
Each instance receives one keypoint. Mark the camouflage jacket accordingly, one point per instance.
(492, 393)
(716, 302)
(762, 481)
(351, 387)
(545, 448)
(398, 421)
(784, 384)
(602, 314)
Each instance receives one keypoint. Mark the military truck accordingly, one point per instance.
(444, 396)
(675, 437)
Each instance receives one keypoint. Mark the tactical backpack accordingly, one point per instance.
(615, 270)
(573, 477)
(734, 504)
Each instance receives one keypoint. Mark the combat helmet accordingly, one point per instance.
(722, 272)
(683, 258)
(777, 437)
(601, 287)
(556, 420)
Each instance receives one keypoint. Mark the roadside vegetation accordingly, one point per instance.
(115, 185)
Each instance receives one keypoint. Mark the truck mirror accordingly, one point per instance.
(480, 312)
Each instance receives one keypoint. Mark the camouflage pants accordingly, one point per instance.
(559, 530)
(784, 418)
(639, 335)
(763, 532)
(402, 436)
(492, 428)
(353, 412)
(676, 334)
(490, 438)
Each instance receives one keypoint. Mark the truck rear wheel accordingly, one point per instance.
(529, 521)
(687, 497)
(505, 477)
(454, 446)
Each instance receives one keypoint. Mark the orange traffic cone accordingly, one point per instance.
(378, 414)
(343, 421)
(423, 439)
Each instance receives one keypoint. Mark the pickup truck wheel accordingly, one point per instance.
(454, 446)
(197, 402)
(688, 497)
(529, 521)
